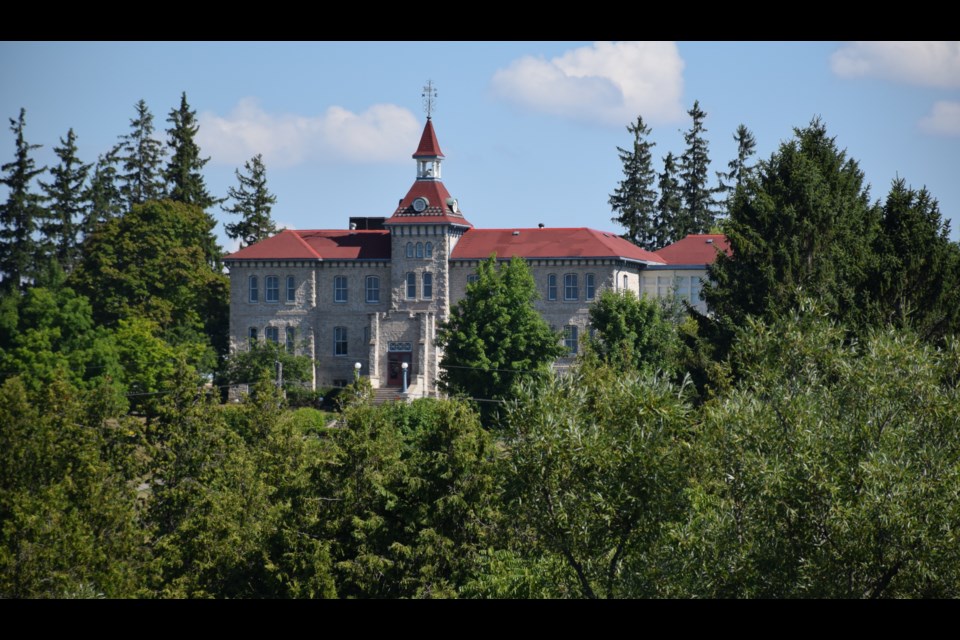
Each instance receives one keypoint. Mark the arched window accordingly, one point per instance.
(339, 341)
(409, 249)
(254, 289)
(340, 288)
(552, 286)
(591, 285)
(428, 250)
(419, 249)
(291, 340)
(570, 288)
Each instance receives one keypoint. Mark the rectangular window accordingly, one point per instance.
(570, 288)
(254, 289)
(472, 278)
(591, 286)
(552, 287)
(252, 334)
(272, 334)
(291, 339)
(373, 289)
(570, 339)
(340, 289)
(272, 289)
(626, 283)
(682, 286)
(291, 289)
(411, 286)
(663, 286)
(427, 285)
(695, 286)
(339, 341)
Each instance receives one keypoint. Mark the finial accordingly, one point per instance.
(429, 96)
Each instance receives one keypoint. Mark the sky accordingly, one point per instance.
(530, 130)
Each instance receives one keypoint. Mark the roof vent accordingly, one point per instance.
(709, 240)
(353, 226)
(516, 233)
(540, 225)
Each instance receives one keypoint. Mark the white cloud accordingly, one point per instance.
(382, 133)
(944, 119)
(931, 64)
(609, 82)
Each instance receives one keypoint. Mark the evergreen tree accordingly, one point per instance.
(916, 276)
(670, 205)
(253, 202)
(739, 170)
(142, 156)
(698, 203)
(105, 201)
(18, 216)
(183, 171)
(67, 207)
(634, 200)
(803, 225)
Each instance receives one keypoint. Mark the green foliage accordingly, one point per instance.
(595, 469)
(632, 333)
(183, 169)
(68, 515)
(414, 490)
(19, 214)
(670, 204)
(699, 209)
(803, 227)
(105, 201)
(142, 156)
(739, 170)
(66, 208)
(260, 359)
(151, 264)
(634, 201)
(494, 336)
(830, 471)
(50, 334)
(253, 202)
(916, 277)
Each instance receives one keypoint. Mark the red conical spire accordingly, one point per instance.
(429, 147)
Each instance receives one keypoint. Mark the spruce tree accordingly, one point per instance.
(18, 215)
(634, 200)
(141, 155)
(698, 203)
(804, 229)
(253, 202)
(67, 205)
(104, 199)
(183, 175)
(670, 206)
(739, 170)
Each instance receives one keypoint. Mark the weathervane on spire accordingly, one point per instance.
(429, 96)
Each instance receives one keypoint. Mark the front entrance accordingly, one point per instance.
(395, 360)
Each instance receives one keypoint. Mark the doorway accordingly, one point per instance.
(395, 360)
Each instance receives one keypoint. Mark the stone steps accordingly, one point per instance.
(386, 394)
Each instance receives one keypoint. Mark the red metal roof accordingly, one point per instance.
(695, 249)
(429, 146)
(437, 210)
(548, 243)
(320, 244)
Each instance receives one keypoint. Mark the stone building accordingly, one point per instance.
(375, 293)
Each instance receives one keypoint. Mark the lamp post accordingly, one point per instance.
(356, 370)
(404, 367)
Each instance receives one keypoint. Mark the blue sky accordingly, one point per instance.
(529, 129)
